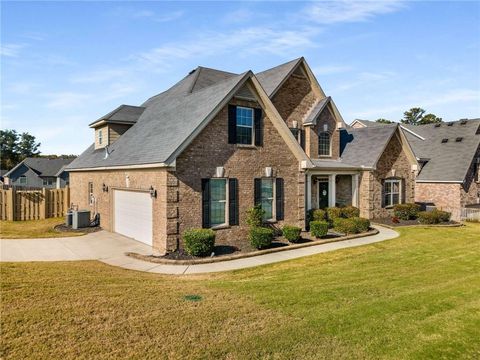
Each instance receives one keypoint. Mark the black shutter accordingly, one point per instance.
(233, 201)
(232, 124)
(257, 191)
(404, 191)
(383, 193)
(302, 139)
(258, 127)
(205, 203)
(279, 198)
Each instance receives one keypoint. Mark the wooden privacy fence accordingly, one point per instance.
(23, 204)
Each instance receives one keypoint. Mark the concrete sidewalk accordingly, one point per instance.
(110, 248)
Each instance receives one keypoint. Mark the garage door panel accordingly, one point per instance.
(133, 215)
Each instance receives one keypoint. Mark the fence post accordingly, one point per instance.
(11, 204)
(43, 204)
(66, 199)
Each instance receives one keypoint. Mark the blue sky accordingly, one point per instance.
(65, 64)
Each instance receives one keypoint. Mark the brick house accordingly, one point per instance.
(206, 150)
(449, 158)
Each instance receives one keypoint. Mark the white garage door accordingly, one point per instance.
(133, 215)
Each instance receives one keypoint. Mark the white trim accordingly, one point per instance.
(440, 181)
(227, 204)
(412, 132)
(252, 128)
(357, 121)
(355, 190)
(121, 167)
(391, 193)
(332, 190)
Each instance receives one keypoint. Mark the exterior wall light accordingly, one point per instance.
(268, 171)
(104, 188)
(153, 192)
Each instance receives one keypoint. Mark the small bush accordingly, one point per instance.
(260, 237)
(362, 224)
(318, 228)
(406, 211)
(199, 242)
(319, 215)
(350, 212)
(353, 225)
(334, 213)
(292, 233)
(433, 217)
(255, 216)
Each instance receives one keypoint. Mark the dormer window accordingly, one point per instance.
(324, 144)
(100, 137)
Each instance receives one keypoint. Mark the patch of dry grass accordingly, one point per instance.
(32, 229)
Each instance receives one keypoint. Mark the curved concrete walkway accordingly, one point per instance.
(110, 248)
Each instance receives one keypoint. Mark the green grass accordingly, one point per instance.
(414, 297)
(32, 229)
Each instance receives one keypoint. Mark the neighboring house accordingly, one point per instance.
(206, 150)
(2, 174)
(39, 172)
(449, 157)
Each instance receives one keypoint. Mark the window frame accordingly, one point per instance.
(227, 204)
(329, 144)
(90, 193)
(252, 143)
(45, 180)
(391, 203)
(100, 137)
(20, 178)
(274, 198)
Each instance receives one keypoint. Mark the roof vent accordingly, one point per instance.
(437, 125)
(450, 124)
(459, 139)
(444, 141)
(463, 121)
(191, 72)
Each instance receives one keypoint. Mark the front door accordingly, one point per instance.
(322, 194)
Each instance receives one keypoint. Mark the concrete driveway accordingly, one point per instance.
(110, 248)
(94, 246)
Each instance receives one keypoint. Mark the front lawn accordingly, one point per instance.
(417, 296)
(33, 229)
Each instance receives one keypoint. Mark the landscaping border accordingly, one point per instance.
(158, 260)
(418, 225)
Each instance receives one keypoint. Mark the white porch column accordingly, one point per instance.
(355, 190)
(308, 192)
(331, 190)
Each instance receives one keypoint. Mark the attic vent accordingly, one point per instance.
(191, 72)
(450, 124)
(444, 141)
(463, 122)
(437, 125)
(459, 139)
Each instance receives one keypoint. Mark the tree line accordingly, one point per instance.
(414, 116)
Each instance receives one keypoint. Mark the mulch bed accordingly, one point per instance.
(87, 230)
(389, 222)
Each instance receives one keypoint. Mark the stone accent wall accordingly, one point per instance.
(211, 149)
(117, 179)
(371, 181)
(343, 189)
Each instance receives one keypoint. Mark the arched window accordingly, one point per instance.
(324, 144)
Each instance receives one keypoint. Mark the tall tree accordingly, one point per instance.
(430, 119)
(15, 147)
(413, 116)
(384, 121)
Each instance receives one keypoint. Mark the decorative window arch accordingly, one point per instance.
(324, 144)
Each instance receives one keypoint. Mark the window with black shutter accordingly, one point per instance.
(245, 125)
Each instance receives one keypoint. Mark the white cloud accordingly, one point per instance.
(174, 15)
(11, 50)
(331, 12)
(98, 76)
(238, 16)
(66, 99)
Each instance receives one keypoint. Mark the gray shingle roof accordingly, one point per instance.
(448, 161)
(368, 122)
(364, 146)
(128, 114)
(272, 78)
(167, 122)
(44, 166)
(316, 110)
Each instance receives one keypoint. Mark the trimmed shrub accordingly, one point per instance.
(353, 225)
(433, 217)
(350, 212)
(362, 224)
(199, 242)
(334, 213)
(318, 228)
(260, 237)
(255, 216)
(406, 211)
(319, 215)
(292, 233)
